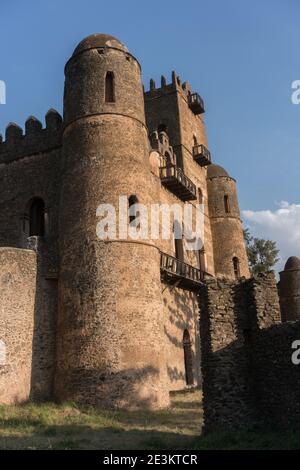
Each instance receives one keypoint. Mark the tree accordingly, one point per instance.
(262, 254)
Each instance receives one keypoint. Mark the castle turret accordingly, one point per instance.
(289, 290)
(110, 306)
(230, 258)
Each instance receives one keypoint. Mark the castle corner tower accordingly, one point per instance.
(110, 307)
(230, 255)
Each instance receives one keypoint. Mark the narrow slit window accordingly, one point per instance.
(188, 358)
(226, 204)
(236, 267)
(200, 196)
(110, 87)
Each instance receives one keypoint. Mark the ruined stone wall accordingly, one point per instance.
(18, 270)
(44, 324)
(28, 304)
(276, 380)
(248, 377)
(224, 369)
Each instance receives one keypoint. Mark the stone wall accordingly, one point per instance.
(17, 303)
(248, 377)
(30, 167)
(27, 325)
(45, 320)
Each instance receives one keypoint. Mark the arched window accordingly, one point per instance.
(236, 267)
(226, 204)
(195, 140)
(37, 218)
(133, 213)
(188, 358)
(110, 87)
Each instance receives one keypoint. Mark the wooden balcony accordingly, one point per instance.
(173, 178)
(196, 103)
(201, 155)
(173, 270)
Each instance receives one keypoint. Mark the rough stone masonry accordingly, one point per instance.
(115, 323)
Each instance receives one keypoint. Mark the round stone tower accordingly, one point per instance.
(289, 290)
(110, 331)
(230, 256)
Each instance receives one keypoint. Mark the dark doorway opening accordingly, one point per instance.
(188, 358)
(37, 218)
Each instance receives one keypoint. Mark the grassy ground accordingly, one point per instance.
(49, 426)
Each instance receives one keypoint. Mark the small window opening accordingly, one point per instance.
(226, 204)
(179, 250)
(201, 260)
(37, 218)
(188, 358)
(133, 213)
(200, 196)
(109, 87)
(236, 267)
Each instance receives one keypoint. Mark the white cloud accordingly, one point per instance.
(281, 225)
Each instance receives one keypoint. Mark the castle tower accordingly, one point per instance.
(230, 256)
(289, 290)
(174, 109)
(110, 306)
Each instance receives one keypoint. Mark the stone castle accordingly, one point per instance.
(116, 322)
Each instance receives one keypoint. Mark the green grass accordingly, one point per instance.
(67, 426)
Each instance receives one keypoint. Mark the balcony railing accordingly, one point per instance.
(196, 103)
(201, 155)
(173, 178)
(173, 269)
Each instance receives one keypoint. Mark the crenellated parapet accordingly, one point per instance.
(35, 140)
(194, 100)
(165, 87)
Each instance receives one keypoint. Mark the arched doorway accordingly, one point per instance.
(188, 358)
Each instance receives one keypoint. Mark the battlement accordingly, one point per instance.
(165, 88)
(35, 140)
(194, 100)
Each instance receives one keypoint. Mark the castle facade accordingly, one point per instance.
(108, 322)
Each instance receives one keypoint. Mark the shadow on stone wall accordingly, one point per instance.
(179, 306)
(129, 389)
(45, 317)
(249, 378)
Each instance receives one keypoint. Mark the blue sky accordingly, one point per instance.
(240, 55)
